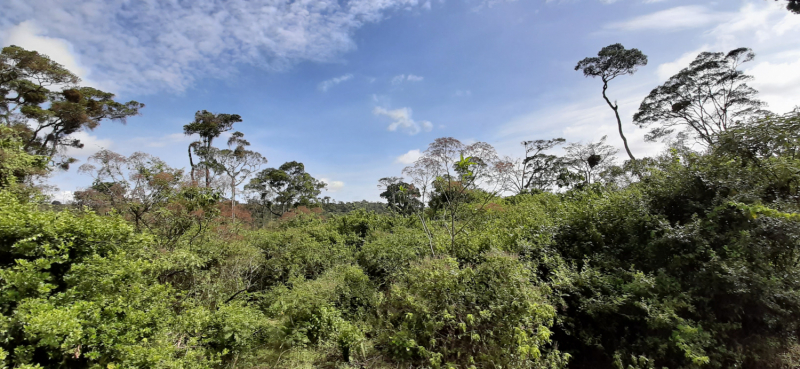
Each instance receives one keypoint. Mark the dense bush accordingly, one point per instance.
(80, 290)
(441, 315)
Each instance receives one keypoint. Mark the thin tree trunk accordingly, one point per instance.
(208, 171)
(191, 164)
(619, 121)
(427, 232)
(233, 200)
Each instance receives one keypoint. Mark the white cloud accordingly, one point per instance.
(653, 1)
(28, 36)
(91, 145)
(666, 70)
(398, 79)
(677, 18)
(408, 158)
(583, 121)
(401, 118)
(463, 93)
(146, 46)
(767, 28)
(779, 84)
(333, 186)
(164, 141)
(325, 85)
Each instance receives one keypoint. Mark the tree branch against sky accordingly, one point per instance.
(536, 171)
(43, 98)
(236, 162)
(793, 6)
(709, 96)
(208, 126)
(591, 159)
(611, 62)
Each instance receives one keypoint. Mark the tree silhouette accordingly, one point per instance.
(208, 126)
(611, 62)
(236, 162)
(706, 98)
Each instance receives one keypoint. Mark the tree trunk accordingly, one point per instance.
(191, 164)
(619, 121)
(233, 200)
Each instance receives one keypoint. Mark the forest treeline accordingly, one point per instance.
(687, 259)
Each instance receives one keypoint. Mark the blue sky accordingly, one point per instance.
(355, 89)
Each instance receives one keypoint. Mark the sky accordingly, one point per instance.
(357, 89)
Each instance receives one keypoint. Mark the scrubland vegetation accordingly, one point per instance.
(689, 259)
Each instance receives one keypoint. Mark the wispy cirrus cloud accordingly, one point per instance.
(325, 85)
(401, 119)
(400, 78)
(146, 46)
(673, 19)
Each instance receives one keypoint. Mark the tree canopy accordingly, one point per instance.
(710, 96)
(611, 62)
(208, 126)
(283, 188)
(44, 100)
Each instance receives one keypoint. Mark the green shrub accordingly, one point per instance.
(387, 253)
(323, 311)
(80, 290)
(303, 251)
(440, 315)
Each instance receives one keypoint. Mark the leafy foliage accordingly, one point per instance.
(16, 164)
(441, 315)
(48, 117)
(684, 260)
(710, 96)
(286, 187)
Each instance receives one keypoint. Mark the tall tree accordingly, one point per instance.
(208, 126)
(611, 62)
(283, 188)
(237, 163)
(710, 96)
(401, 197)
(537, 170)
(590, 160)
(450, 174)
(135, 185)
(45, 99)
